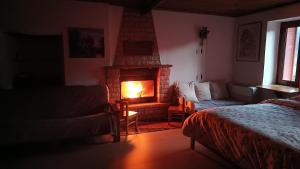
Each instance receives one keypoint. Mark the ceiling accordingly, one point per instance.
(233, 8)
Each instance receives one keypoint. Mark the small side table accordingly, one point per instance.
(177, 111)
(184, 109)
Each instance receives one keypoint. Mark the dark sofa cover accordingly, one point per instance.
(45, 114)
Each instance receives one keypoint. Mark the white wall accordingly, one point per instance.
(176, 35)
(55, 17)
(178, 41)
(251, 73)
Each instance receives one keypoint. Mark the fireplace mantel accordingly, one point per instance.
(137, 66)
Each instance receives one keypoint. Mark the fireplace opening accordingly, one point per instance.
(139, 85)
(137, 89)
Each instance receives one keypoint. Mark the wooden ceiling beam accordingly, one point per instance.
(148, 5)
(234, 8)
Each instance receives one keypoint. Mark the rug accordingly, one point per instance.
(146, 127)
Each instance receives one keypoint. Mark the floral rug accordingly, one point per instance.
(146, 127)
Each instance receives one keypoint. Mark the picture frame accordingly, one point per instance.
(248, 42)
(86, 43)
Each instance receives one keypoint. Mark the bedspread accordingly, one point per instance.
(265, 136)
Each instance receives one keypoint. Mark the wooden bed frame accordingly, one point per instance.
(192, 146)
(192, 143)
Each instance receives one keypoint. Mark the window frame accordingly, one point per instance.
(281, 55)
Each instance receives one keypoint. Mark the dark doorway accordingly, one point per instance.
(39, 60)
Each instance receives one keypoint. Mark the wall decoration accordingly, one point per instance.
(86, 43)
(202, 34)
(201, 51)
(249, 42)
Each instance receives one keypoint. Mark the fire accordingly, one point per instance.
(132, 89)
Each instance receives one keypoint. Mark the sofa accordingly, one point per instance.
(203, 95)
(32, 115)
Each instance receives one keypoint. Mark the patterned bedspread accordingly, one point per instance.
(264, 136)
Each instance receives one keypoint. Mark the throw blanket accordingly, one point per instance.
(262, 136)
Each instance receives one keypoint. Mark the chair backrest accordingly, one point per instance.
(182, 102)
(123, 106)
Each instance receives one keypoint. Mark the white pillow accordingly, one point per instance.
(188, 91)
(203, 91)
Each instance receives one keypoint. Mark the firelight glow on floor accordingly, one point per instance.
(156, 150)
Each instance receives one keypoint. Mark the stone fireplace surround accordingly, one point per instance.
(138, 29)
(148, 111)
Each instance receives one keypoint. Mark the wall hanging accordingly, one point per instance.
(201, 51)
(249, 42)
(86, 43)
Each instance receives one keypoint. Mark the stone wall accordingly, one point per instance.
(151, 111)
(163, 81)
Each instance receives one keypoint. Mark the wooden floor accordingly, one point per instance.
(157, 150)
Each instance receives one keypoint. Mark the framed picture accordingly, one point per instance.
(249, 42)
(86, 43)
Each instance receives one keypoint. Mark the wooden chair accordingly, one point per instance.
(177, 112)
(127, 116)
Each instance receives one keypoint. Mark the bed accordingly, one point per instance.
(258, 136)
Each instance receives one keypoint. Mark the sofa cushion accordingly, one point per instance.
(218, 90)
(215, 103)
(203, 91)
(188, 91)
(242, 93)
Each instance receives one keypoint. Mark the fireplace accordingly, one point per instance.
(136, 74)
(138, 85)
(137, 89)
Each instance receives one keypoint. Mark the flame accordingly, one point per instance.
(132, 89)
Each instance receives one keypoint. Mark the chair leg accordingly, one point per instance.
(116, 138)
(127, 126)
(136, 124)
(182, 119)
(117, 134)
(192, 143)
(169, 117)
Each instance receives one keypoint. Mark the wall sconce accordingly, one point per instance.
(203, 32)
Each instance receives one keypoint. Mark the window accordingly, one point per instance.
(288, 64)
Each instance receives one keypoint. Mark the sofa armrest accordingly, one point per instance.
(243, 93)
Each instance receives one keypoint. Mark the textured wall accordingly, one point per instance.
(136, 27)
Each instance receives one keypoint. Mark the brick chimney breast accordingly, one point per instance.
(137, 44)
